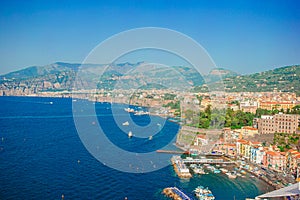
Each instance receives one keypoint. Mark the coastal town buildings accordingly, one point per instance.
(280, 123)
(275, 160)
(279, 105)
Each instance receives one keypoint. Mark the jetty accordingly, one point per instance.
(175, 193)
(190, 160)
(180, 168)
(171, 152)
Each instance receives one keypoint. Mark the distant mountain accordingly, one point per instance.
(66, 77)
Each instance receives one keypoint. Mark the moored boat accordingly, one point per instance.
(203, 193)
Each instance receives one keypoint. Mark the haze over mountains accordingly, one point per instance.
(60, 76)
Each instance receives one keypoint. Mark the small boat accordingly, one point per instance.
(150, 137)
(243, 172)
(130, 110)
(231, 175)
(223, 170)
(217, 171)
(130, 134)
(125, 123)
(198, 170)
(203, 193)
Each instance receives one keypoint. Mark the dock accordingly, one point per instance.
(175, 193)
(189, 160)
(171, 152)
(180, 168)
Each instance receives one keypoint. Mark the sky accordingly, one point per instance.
(243, 36)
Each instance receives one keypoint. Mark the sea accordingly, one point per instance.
(42, 156)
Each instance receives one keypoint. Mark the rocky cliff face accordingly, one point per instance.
(61, 77)
(31, 86)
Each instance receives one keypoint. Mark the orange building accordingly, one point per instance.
(275, 160)
(271, 105)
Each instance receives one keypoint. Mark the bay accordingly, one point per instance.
(42, 157)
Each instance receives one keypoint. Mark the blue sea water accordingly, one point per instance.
(40, 150)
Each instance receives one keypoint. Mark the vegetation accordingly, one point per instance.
(285, 141)
(218, 118)
(173, 105)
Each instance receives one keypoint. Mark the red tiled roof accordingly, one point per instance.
(242, 141)
(250, 128)
(273, 153)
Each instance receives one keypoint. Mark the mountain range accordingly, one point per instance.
(61, 76)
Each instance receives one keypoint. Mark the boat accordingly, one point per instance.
(217, 171)
(243, 172)
(130, 110)
(150, 137)
(231, 174)
(125, 123)
(141, 113)
(223, 170)
(198, 170)
(130, 134)
(203, 193)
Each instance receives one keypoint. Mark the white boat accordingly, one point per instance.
(203, 193)
(125, 123)
(231, 175)
(130, 134)
(150, 137)
(198, 170)
(130, 110)
(223, 170)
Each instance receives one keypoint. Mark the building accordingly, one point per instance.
(280, 123)
(292, 160)
(248, 131)
(243, 148)
(274, 160)
(272, 105)
(257, 154)
(249, 106)
(200, 140)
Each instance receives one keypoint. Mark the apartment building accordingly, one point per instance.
(280, 123)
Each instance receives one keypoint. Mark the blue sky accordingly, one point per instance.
(244, 36)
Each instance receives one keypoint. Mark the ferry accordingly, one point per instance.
(203, 193)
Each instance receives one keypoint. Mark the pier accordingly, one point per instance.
(175, 193)
(180, 168)
(172, 152)
(205, 161)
